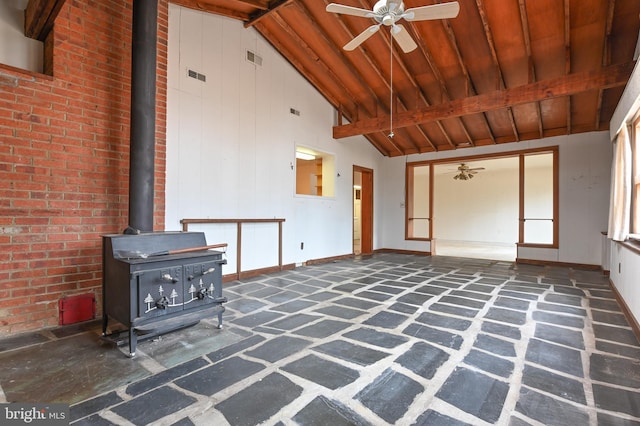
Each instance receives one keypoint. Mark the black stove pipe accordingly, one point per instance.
(143, 114)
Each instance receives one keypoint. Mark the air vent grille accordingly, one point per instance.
(197, 75)
(254, 58)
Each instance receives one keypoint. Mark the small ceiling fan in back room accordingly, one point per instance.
(388, 13)
(466, 173)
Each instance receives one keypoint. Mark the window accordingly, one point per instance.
(635, 171)
(418, 213)
(537, 216)
(315, 172)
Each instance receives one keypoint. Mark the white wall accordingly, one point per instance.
(483, 209)
(624, 264)
(585, 176)
(231, 145)
(584, 195)
(16, 49)
(390, 216)
(624, 273)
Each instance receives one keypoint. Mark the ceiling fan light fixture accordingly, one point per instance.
(463, 176)
(388, 20)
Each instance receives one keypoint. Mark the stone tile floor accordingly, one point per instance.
(387, 339)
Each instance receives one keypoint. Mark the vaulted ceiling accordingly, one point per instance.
(501, 71)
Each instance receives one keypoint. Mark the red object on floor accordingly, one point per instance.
(75, 309)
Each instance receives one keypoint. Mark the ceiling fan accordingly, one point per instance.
(388, 13)
(465, 172)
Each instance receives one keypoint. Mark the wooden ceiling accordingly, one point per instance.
(501, 71)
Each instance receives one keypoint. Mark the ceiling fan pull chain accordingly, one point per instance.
(391, 135)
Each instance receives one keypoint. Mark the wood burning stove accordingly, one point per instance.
(158, 282)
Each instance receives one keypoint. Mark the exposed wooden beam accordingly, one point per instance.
(526, 33)
(383, 134)
(377, 98)
(400, 139)
(39, 17)
(416, 87)
(379, 146)
(470, 88)
(567, 54)
(205, 7)
(350, 34)
(436, 73)
(397, 102)
(326, 70)
(409, 76)
(258, 4)
(264, 13)
(496, 62)
(606, 57)
(345, 59)
(613, 76)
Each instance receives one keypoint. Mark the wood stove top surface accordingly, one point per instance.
(132, 258)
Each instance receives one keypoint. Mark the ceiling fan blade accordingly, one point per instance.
(348, 10)
(403, 38)
(362, 37)
(436, 11)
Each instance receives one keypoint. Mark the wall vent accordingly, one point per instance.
(196, 75)
(254, 58)
(294, 111)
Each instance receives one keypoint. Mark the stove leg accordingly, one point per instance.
(105, 323)
(220, 321)
(133, 337)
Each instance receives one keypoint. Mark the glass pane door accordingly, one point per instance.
(538, 199)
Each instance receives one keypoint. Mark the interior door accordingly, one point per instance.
(366, 208)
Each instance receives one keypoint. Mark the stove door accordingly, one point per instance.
(203, 283)
(160, 291)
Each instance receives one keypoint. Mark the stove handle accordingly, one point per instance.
(168, 277)
(208, 271)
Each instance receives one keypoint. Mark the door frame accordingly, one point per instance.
(366, 208)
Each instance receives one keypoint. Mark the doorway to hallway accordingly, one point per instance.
(362, 210)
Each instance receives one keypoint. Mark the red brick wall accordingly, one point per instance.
(64, 158)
